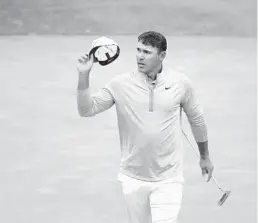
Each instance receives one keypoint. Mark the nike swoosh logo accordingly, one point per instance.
(166, 88)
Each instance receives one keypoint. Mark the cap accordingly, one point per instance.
(104, 50)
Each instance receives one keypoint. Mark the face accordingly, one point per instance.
(148, 58)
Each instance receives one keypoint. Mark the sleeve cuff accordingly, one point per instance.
(200, 133)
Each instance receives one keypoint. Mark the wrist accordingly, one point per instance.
(204, 156)
(84, 73)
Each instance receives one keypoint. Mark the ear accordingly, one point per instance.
(163, 55)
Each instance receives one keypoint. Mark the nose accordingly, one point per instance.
(140, 55)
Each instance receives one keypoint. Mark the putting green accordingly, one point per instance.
(59, 167)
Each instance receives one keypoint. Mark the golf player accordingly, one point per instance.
(148, 103)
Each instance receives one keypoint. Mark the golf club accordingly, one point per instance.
(226, 193)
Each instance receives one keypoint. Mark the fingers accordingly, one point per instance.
(208, 171)
(204, 171)
(85, 58)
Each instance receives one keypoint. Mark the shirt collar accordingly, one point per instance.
(148, 80)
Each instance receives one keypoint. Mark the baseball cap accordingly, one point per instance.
(104, 50)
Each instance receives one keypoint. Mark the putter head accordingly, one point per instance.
(224, 198)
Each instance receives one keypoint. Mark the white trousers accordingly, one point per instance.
(152, 202)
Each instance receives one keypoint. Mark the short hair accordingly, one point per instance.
(154, 39)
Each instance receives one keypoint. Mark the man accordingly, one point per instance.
(148, 104)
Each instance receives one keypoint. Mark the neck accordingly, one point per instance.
(153, 74)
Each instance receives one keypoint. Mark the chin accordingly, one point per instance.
(142, 70)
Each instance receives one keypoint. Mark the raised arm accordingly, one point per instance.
(89, 104)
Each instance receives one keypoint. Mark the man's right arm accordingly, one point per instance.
(90, 104)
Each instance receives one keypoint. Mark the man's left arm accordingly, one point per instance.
(195, 116)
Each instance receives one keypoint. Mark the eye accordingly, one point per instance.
(147, 52)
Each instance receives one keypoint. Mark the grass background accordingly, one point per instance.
(57, 167)
(114, 17)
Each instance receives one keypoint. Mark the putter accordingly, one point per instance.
(226, 193)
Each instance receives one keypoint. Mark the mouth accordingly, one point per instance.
(141, 64)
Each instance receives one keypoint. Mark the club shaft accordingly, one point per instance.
(196, 152)
(217, 184)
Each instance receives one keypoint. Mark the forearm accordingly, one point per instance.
(84, 100)
(203, 149)
(91, 104)
(199, 131)
(83, 81)
(201, 136)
